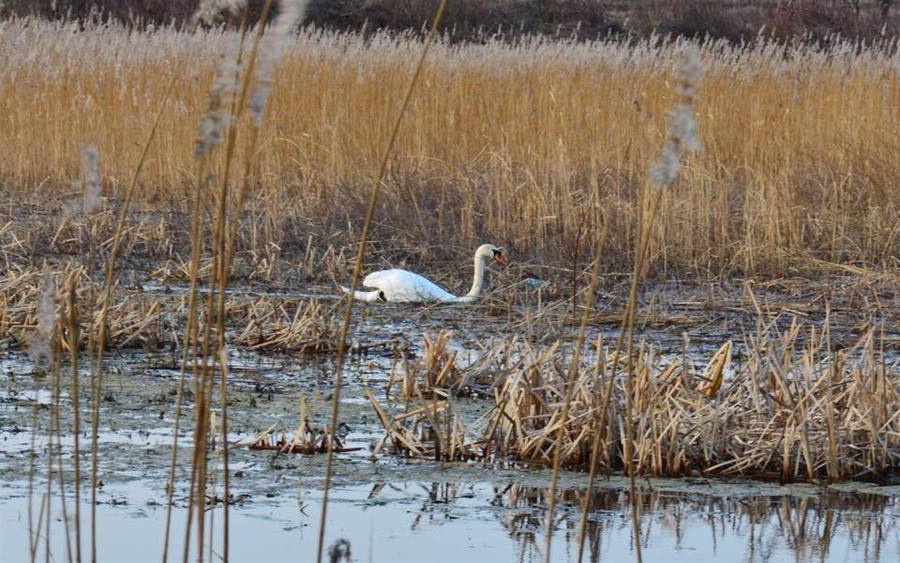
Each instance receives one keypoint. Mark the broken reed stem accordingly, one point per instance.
(357, 272)
(110, 269)
(74, 328)
(570, 385)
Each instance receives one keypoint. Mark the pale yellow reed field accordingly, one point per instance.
(533, 145)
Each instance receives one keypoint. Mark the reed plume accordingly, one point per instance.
(41, 343)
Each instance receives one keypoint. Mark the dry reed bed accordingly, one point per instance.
(155, 242)
(532, 144)
(153, 320)
(789, 411)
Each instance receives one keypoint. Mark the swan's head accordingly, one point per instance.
(491, 252)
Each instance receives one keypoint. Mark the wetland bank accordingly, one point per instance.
(692, 354)
(389, 506)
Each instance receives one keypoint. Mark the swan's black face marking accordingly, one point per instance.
(381, 297)
(498, 256)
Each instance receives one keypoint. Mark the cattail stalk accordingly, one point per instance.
(682, 135)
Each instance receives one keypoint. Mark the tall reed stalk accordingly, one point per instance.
(221, 260)
(223, 233)
(357, 273)
(209, 135)
(189, 354)
(681, 138)
(97, 379)
(189, 344)
(574, 365)
(74, 328)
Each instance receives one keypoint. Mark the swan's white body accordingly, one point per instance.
(401, 286)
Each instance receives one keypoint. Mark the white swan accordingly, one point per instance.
(401, 286)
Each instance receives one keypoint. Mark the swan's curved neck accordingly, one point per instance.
(477, 280)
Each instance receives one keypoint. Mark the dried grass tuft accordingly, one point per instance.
(796, 410)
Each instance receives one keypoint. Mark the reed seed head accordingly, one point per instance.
(681, 127)
(212, 126)
(40, 344)
(90, 170)
(664, 169)
(211, 10)
(290, 15)
(688, 72)
(211, 130)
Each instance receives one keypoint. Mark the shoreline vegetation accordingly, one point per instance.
(539, 145)
(162, 187)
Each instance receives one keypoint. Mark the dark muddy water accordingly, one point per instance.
(389, 509)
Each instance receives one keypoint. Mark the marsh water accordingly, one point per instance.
(499, 520)
(388, 508)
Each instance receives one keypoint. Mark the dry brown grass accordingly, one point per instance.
(528, 145)
(795, 408)
(154, 321)
(302, 326)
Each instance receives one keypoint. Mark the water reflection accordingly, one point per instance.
(830, 525)
(477, 521)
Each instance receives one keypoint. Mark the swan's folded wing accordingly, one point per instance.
(404, 286)
(380, 279)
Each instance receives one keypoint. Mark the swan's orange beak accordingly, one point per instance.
(500, 259)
